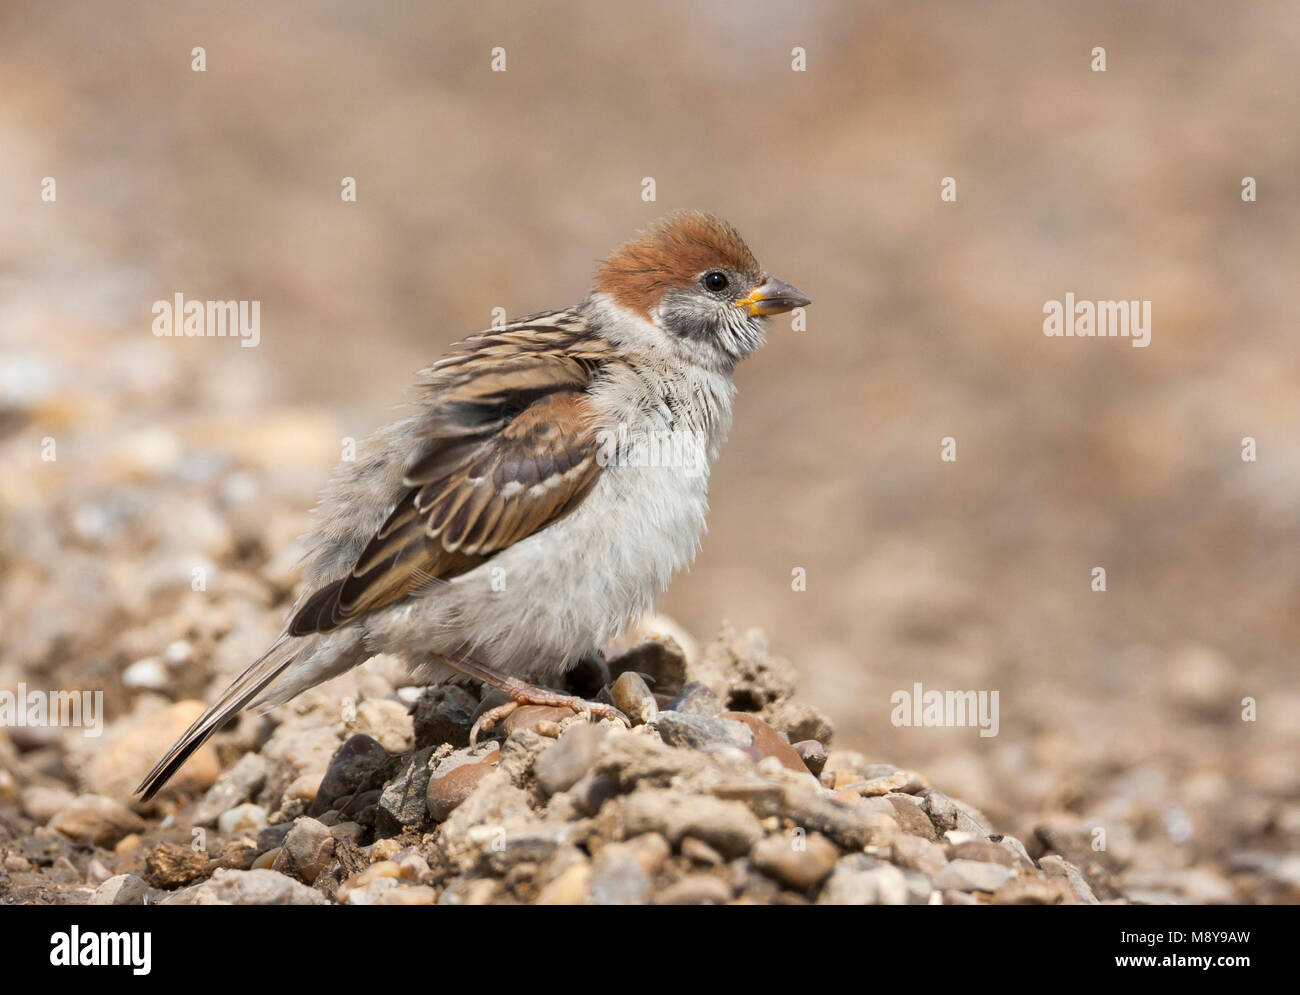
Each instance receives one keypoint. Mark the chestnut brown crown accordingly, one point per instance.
(672, 254)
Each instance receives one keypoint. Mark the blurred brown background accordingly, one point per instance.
(479, 189)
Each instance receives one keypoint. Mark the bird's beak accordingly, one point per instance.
(772, 296)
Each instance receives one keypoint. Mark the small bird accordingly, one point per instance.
(550, 481)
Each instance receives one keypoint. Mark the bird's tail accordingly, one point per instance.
(242, 690)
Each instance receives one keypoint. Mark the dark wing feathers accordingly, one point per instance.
(506, 446)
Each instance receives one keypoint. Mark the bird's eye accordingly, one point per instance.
(715, 281)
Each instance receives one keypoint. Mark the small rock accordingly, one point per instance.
(307, 850)
(255, 887)
(909, 812)
(919, 854)
(1030, 891)
(696, 698)
(813, 755)
(863, 881)
(352, 832)
(42, 804)
(170, 866)
(570, 887)
(124, 889)
(633, 698)
(696, 889)
(699, 852)
(404, 799)
(561, 766)
(798, 862)
(233, 787)
(444, 714)
(768, 741)
(359, 765)
(456, 777)
(983, 850)
(851, 824)
(799, 721)
(96, 820)
(387, 721)
(698, 731)
(617, 878)
(973, 875)
(1057, 866)
(273, 836)
(410, 894)
(729, 827)
(246, 819)
(148, 674)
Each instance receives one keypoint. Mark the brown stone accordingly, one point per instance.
(448, 789)
(768, 741)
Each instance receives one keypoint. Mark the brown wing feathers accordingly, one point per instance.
(507, 447)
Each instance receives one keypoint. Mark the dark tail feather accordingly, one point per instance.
(242, 690)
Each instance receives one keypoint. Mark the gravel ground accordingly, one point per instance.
(724, 790)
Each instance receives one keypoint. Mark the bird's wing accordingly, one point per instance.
(505, 447)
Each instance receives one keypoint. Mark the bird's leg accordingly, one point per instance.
(523, 693)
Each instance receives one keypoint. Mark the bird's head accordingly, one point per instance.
(692, 277)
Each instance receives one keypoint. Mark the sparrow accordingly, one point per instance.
(548, 483)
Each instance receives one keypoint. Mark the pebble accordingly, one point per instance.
(358, 765)
(444, 714)
(404, 799)
(350, 832)
(617, 878)
(919, 854)
(42, 804)
(798, 862)
(813, 755)
(307, 850)
(233, 787)
(385, 849)
(910, 814)
(768, 741)
(96, 821)
(865, 882)
(973, 875)
(1054, 865)
(570, 887)
(696, 698)
(696, 889)
(124, 889)
(386, 720)
(456, 777)
(169, 866)
(255, 887)
(633, 698)
(411, 894)
(983, 850)
(699, 852)
(698, 731)
(852, 824)
(561, 766)
(246, 819)
(148, 674)
(729, 827)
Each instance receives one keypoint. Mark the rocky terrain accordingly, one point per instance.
(724, 790)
